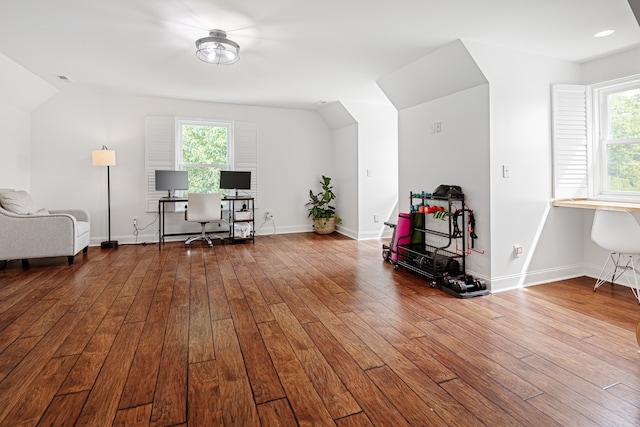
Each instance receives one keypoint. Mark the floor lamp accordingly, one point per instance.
(106, 157)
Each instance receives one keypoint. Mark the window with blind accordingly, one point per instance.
(617, 107)
(202, 148)
(596, 140)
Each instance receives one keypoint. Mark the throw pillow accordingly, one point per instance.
(19, 202)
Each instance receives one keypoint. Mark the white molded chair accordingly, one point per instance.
(203, 208)
(619, 233)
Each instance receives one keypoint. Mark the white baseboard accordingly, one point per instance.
(532, 278)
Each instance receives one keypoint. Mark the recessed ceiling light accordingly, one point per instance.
(603, 33)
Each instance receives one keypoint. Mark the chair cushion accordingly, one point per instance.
(19, 202)
(82, 227)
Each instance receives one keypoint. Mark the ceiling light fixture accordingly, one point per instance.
(217, 49)
(604, 33)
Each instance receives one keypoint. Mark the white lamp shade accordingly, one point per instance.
(103, 157)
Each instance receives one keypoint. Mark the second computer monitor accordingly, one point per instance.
(235, 180)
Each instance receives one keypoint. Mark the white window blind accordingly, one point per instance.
(160, 153)
(160, 143)
(245, 152)
(570, 141)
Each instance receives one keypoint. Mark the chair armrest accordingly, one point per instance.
(78, 214)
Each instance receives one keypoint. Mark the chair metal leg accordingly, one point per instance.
(611, 272)
(635, 289)
(617, 270)
(201, 236)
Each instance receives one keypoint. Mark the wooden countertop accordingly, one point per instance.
(597, 204)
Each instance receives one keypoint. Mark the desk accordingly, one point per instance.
(231, 200)
(161, 208)
(597, 204)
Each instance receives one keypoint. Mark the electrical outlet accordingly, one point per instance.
(517, 250)
(268, 214)
(135, 222)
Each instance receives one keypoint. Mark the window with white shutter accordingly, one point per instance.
(596, 140)
(233, 146)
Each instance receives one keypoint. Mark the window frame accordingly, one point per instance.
(181, 165)
(600, 139)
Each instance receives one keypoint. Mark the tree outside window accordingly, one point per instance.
(205, 151)
(622, 140)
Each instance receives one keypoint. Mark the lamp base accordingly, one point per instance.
(109, 244)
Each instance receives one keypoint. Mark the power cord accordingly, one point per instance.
(273, 221)
(136, 229)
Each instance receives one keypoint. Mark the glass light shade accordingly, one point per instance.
(217, 49)
(103, 157)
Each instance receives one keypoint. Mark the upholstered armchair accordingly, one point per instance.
(27, 232)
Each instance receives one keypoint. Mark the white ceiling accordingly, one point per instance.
(294, 53)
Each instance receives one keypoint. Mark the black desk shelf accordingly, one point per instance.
(238, 217)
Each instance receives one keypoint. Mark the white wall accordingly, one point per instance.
(377, 166)
(504, 122)
(294, 147)
(344, 174)
(14, 146)
(611, 67)
(365, 138)
(458, 155)
(521, 138)
(448, 88)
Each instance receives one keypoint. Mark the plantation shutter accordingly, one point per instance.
(245, 156)
(160, 151)
(570, 141)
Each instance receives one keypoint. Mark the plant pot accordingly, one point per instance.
(324, 225)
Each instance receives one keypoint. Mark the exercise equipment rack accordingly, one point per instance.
(417, 248)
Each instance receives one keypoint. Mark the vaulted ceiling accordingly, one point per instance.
(294, 53)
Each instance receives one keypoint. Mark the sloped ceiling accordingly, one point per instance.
(448, 70)
(294, 54)
(20, 88)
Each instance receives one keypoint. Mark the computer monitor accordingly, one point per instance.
(171, 180)
(235, 180)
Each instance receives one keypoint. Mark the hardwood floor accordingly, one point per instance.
(303, 329)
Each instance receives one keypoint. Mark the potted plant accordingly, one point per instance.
(321, 211)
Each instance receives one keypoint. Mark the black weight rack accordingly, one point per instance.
(437, 260)
(430, 260)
